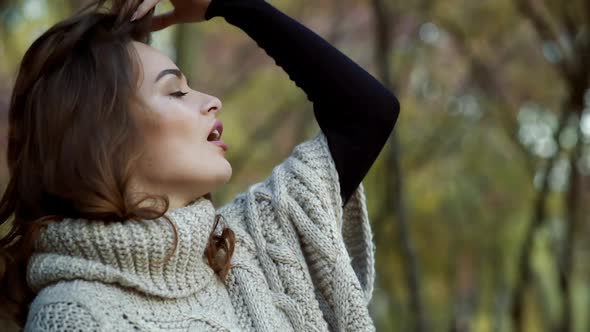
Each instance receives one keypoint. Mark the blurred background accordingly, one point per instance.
(480, 200)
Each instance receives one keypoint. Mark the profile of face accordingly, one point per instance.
(176, 121)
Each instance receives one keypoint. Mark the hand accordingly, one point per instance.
(184, 11)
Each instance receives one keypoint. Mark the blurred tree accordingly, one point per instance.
(395, 189)
(564, 29)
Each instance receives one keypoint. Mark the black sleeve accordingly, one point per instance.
(355, 112)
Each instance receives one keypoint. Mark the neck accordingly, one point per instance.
(176, 198)
(129, 253)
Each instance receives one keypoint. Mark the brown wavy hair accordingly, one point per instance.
(73, 142)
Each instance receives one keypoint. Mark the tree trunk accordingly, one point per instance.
(524, 274)
(395, 191)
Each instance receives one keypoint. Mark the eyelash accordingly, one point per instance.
(179, 94)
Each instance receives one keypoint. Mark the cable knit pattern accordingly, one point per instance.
(302, 262)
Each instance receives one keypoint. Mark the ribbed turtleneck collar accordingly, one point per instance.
(127, 253)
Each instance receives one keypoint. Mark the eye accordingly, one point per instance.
(179, 94)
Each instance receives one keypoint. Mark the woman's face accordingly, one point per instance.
(178, 159)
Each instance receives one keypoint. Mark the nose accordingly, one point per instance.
(213, 105)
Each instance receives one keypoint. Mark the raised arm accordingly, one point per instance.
(355, 112)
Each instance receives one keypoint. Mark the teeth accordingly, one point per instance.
(215, 134)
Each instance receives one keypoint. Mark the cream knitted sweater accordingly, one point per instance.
(301, 262)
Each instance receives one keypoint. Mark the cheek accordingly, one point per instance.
(177, 148)
(184, 159)
(171, 121)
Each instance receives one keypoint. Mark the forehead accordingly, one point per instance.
(151, 62)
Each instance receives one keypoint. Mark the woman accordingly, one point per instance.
(112, 160)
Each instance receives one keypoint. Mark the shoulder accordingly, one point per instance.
(299, 204)
(303, 187)
(68, 306)
(313, 158)
(61, 316)
(308, 176)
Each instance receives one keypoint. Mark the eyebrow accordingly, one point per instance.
(171, 71)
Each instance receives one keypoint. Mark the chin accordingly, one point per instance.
(225, 172)
(216, 175)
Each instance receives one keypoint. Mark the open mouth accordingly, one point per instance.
(215, 135)
(216, 131)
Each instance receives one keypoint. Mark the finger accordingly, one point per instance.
(142, 9)
(162, 21)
